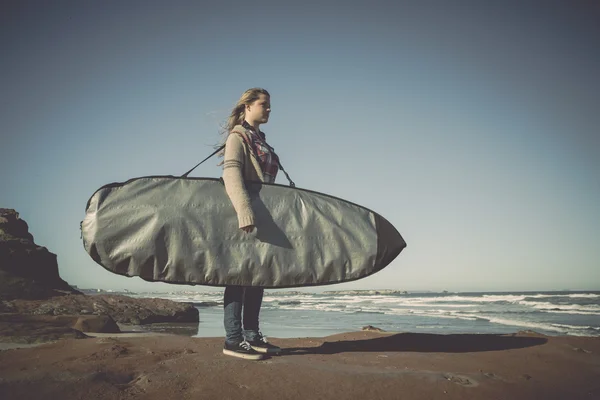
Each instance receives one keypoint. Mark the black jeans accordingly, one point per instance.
(238, 298)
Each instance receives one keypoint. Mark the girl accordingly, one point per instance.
(247, 157)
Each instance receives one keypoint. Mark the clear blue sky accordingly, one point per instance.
(472, 127)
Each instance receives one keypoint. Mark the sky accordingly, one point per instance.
(473, 127)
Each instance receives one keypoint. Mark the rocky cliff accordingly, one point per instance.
(37, 305)
(27, 271)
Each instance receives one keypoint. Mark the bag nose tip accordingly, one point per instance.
(389, 242)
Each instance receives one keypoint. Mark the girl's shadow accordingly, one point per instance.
(423, 343)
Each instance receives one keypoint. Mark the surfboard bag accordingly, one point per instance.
(185, 230)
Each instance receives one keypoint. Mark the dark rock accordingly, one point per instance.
(22, 328)
(27, 271)
(96, 323)
(371, 328)
(12, 225)
(18, 328)
(122, 309)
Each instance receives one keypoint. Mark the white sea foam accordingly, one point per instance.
(596, 328)
(553, 327)
(452, 302)
(563, 329)
(381, 303)
(190, 298)
(591, 309)
(438, 305)
(431, 313)
(511, 310)
(573, 296)
(460, 299)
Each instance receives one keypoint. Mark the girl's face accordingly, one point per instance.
(259, 110)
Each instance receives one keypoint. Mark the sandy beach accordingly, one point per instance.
(356, 365)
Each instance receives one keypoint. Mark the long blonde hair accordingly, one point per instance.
(239, 112)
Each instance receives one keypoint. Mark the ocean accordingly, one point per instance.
(287, 314)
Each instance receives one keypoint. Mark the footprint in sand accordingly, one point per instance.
(580, 350)
(491, 375)
(460, 380)
(113, 377)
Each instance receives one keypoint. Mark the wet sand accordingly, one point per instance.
(356, 365)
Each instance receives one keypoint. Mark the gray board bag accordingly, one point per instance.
(185, 231)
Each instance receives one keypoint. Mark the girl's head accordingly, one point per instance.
(254, 106)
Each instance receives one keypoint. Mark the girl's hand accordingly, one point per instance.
(248, 228)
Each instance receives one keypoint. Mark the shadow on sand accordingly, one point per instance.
(424, 343)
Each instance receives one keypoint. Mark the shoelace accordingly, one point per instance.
(245, 345)
(262, 338)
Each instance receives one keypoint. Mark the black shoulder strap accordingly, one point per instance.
(292, 184)
(215, 152)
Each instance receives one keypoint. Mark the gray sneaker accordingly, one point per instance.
(242, 350)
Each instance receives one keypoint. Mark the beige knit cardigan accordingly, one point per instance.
(239, 165)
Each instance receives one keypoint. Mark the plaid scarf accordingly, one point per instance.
(267, 159)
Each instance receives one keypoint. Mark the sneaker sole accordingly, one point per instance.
(265, 351)
(242, 355)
